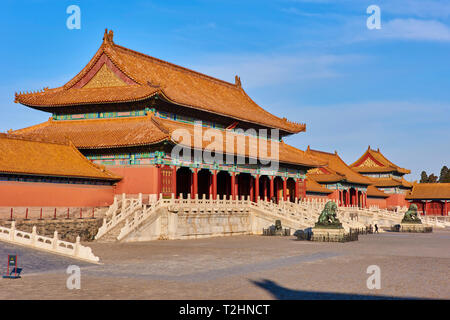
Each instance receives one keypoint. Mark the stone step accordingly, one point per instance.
(111, 235)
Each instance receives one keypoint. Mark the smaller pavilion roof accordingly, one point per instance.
(43, 158)
(336, 170)
(313, 186)
(374, 161)
(373, 191)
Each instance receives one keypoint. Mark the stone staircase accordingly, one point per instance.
(112, 234)
(116, 217)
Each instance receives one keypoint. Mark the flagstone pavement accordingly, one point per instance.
(242, 267)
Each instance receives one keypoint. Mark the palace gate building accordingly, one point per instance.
(126, 112)
(384, 175)
(346, 187)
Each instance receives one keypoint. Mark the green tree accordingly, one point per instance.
(423, 177)
(444, 177)
(432, 178)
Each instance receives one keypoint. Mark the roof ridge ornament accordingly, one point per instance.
(108, 36)
(237, 81)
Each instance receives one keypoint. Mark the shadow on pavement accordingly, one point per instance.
(282, 293)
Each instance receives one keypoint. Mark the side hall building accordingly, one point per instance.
(42, 173)
(431, 198)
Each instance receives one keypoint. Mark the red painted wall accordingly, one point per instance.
(433, 208)
(396, 200)
(334, 196)
(380, 202)
(34, 194)
(137, 179)
(316, 196)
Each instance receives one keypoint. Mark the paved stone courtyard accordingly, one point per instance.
(242, 267)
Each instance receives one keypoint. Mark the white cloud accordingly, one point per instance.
(417, 8)
(257, 70)
(413, 134)
(415, 29)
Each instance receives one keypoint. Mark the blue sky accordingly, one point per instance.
(310, 61)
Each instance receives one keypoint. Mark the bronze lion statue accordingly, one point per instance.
(411, 216)
(328, 216)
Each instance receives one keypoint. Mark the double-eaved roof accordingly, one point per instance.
(375, 162)
(32, 157)
(116, 74)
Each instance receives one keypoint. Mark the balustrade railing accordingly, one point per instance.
(303, 211)
(127, 207)
(53, 245)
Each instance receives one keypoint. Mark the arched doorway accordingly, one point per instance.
(204, 183)
(184, 181)
(224, 184)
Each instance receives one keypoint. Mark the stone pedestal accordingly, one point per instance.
(414, 227)
(328, 234)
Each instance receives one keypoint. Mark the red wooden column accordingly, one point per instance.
(159, 180)
(297, 189)
(426, 207)
(214, 185)
(445, 213)
(233, 188)
(252, 182)
(174, 181)
(347, 198)
(265, 188)
(210, 190)
(194, 183)
(236, 186)
(271, 187)
(256, 187)
(303, 188)
(285, 189)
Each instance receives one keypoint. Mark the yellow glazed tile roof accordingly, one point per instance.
(375, 161)
(33, 157)
(132, 76)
